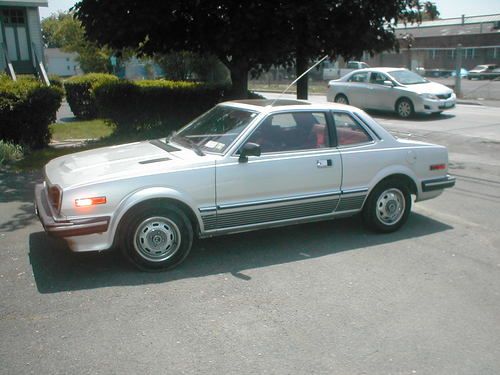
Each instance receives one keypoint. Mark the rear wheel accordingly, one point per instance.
(388, 206)
(156, 238)
(341, 99)
(404, 108)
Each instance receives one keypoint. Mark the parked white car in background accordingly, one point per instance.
(391, 89)
(242, 166)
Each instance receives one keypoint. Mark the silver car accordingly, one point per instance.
(391, 89)
(243, 165)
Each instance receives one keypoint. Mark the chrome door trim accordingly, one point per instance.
(278, 200)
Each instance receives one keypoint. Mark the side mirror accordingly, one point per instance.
(249, 149)
(388, 83)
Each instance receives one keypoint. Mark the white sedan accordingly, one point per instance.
(243, 165)
(391, 89)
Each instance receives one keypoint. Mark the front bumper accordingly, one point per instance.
(433, 106)
(59, 227)
(438, 183)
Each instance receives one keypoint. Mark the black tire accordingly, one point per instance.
(404, 108)
(388, 206)
(341, 99)
(156, 238)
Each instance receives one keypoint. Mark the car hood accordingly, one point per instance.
(429, 88)
(114, 162)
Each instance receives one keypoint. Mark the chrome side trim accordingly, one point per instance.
(207, 209)
(279, 200)
(354, 191)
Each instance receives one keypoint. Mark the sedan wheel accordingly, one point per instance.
(404, 108)
(341, 99)
(388, 206)
(156, 238)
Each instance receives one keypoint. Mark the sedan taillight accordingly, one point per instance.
(55, 197)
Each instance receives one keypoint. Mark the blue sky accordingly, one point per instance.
(448, 8)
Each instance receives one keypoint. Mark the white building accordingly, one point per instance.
(63, 64)
(21, 43)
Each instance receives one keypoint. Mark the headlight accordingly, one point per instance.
(429, 96)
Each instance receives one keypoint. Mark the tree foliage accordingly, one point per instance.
(249, 35)
(63, 31)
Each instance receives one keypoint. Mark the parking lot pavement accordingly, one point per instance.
(324, 298)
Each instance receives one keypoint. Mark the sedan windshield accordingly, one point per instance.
(405, 77)
(215, 130)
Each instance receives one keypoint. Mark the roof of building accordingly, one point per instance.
(452, 26)
(25, 3)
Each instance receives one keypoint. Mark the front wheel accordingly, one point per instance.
(388, 206)
(156, 238)
(341, 99)
(404, 108)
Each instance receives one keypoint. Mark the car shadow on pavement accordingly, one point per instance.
(417, 117)
(57, 269)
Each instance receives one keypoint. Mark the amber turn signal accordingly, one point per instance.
(85, 202)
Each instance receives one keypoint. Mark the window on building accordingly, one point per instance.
(470, 53)
(13, 16)
(432, 54)
(492, 53)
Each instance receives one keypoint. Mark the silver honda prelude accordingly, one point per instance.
(244, 165)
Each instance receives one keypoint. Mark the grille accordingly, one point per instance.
(444, 96)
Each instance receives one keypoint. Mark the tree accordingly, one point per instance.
(249, 35)
(63, 31)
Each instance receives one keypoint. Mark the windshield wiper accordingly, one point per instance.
(190, 142)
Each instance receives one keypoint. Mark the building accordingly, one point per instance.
(63, 64)
(433, 44)
(21, 45)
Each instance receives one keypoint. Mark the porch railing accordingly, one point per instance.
(8, 65)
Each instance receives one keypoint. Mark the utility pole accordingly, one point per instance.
(458, 71)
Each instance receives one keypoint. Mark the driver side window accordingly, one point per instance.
(292, 132)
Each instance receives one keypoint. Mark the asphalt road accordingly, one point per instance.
(323, 298)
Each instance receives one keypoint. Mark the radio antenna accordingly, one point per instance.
(299, 77)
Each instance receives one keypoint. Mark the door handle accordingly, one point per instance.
(324, 163)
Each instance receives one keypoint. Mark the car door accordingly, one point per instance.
(381, 97)
(358, 89)
(297, 175)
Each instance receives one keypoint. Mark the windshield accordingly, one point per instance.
(480, 67)
(405, 77)
(215, 130)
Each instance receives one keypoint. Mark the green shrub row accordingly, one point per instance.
(80, 93)
(27, 108)
(133, 106)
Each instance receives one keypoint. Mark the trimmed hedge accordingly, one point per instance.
(27, 108)
(161, 104)
(80, 93)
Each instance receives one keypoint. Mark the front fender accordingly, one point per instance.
(149, 193)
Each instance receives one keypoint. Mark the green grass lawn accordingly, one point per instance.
(98, 133)
(93, 129)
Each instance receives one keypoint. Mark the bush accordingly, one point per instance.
(80, 93)
(9, 152)
(27, 107)
(155, 104)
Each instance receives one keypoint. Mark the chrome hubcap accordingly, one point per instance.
(157, 239)
(404, 109)
(391, 206)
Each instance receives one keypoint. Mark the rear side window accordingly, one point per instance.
(349, 132)
(359, 77)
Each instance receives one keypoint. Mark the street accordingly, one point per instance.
(321, 298)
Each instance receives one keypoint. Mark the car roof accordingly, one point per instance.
(270, 105)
